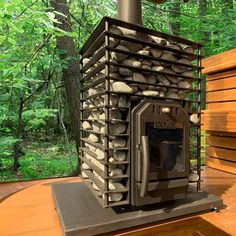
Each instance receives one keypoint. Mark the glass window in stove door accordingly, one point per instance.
(166, 147)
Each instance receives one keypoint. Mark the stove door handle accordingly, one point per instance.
(145, 167)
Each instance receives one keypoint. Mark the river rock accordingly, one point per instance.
(150, 93)
(125, 72)
(131, 62)
(144, 52)
(185, 84)
(115, 114)
(86, 125)
(96, 126)
(159, 40)
(155, 52)
(194, 118)
(121, 87)
(93, 138)
(119, 155)
(172, 95)
(140, 78)
(85, 166)
(173, 90)
(146, 62)
(122, 101)
(117, 128)
(100, 154)
(118, 142)
(151, 79)
(119, 56)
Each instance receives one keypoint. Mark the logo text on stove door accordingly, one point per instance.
(164, 125)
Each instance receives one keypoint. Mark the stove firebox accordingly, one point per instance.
(139, 90)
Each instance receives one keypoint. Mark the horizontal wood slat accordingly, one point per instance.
(222, 61)
(225, 142)
(224, 74)
(225, 95)
(221, 105)
(221, 134)
(219, 118)
(221, 165)
(221, 84)
(222, 153)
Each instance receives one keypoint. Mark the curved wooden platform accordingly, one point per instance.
(31, 212)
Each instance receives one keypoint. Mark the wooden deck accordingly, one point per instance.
(31, 212)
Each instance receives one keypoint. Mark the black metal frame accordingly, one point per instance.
(98, 46)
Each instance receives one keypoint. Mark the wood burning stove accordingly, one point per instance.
(138, 89)
(160, 152)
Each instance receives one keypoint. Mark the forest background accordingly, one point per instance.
(39, 44)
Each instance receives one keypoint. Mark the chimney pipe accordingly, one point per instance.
(130, 11)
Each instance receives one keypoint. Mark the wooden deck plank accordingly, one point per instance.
(31, 212)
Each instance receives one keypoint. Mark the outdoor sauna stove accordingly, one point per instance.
(140, 113)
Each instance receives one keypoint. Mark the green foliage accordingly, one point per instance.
(41, 160)
(36, 120)
(31, 70)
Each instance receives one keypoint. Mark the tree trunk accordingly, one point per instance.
(17, 146)
(71, 72)
(174, 17)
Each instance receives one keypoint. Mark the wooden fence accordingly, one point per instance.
(219, 118)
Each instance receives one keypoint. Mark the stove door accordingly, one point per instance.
(160, 155)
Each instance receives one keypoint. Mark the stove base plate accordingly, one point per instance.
(81, 214)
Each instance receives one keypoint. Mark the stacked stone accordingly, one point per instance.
(126, 81)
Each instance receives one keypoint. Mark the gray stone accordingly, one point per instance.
(119, 56)
(159, 40)
(114, 98)
(173, 90)
(119, 155)
(125, 72)
(115, 114)
(85, 166)
(144, 52)
(172, 95)
(146, 62)
(93, 138)
(121, 87)
(194, 118)
(150, 93)
(117, 128)
(168, 56)
(140, 78)
(122, 101)
(151, 79)
(158, 68)
(118, 142)
(185, 84)
(96, 126)
(131, 62)
(86, 125)
(189, 73)
(163, 80)
(155, 52)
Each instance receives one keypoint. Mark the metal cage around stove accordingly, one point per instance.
(106, 106)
